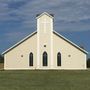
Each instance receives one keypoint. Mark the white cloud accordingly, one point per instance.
(14, 36)
(65, 10)
(69, 15)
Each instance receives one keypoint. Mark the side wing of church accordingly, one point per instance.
(45, 49)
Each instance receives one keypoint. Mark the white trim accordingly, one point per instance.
(45, 69)
(45, 13)
(19, 42)
(51, 44)
(19, 68)
(85, 62)
(5, 62)
(71, 42)
(38, 51)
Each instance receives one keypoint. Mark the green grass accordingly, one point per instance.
(45, 80)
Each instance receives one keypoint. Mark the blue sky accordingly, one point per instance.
(18, 19)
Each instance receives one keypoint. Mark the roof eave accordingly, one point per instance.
(84, 51)
(43, 14)
(9, 49)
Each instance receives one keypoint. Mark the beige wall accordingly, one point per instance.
(77, 59)
(13, 59)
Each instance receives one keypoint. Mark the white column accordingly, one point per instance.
(51, 43)
(38, 49)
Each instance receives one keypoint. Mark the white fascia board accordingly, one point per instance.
(71, 42)
(18, 43)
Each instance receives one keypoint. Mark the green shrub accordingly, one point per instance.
(1, 59)
(88, 63)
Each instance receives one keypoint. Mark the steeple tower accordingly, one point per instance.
(44, 38)
(44, 22)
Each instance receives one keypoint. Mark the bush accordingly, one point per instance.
(88, 63)
(1, 59)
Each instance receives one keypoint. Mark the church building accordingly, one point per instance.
(45, 49)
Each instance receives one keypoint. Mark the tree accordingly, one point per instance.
(88, 63)
(1, 59)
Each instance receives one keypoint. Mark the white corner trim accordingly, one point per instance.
(85, 62)
(38, 51)
(51, 43)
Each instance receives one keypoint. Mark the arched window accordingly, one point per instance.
(45, 58)
(58, 59)
(31, 59)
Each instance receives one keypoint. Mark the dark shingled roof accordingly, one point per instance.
(41, 13)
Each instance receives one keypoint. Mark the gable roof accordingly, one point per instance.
(45, 13)
(30, 35)
(67, 40)
(27, 37)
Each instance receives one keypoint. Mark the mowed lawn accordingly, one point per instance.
(45, 80)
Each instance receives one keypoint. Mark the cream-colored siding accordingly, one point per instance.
(71, 57)
(14, 59)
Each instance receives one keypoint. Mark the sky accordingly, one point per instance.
(18, 19)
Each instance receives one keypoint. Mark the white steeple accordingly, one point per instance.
(44, 22)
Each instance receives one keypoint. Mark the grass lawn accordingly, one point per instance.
(45, 80)
(1, 66)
